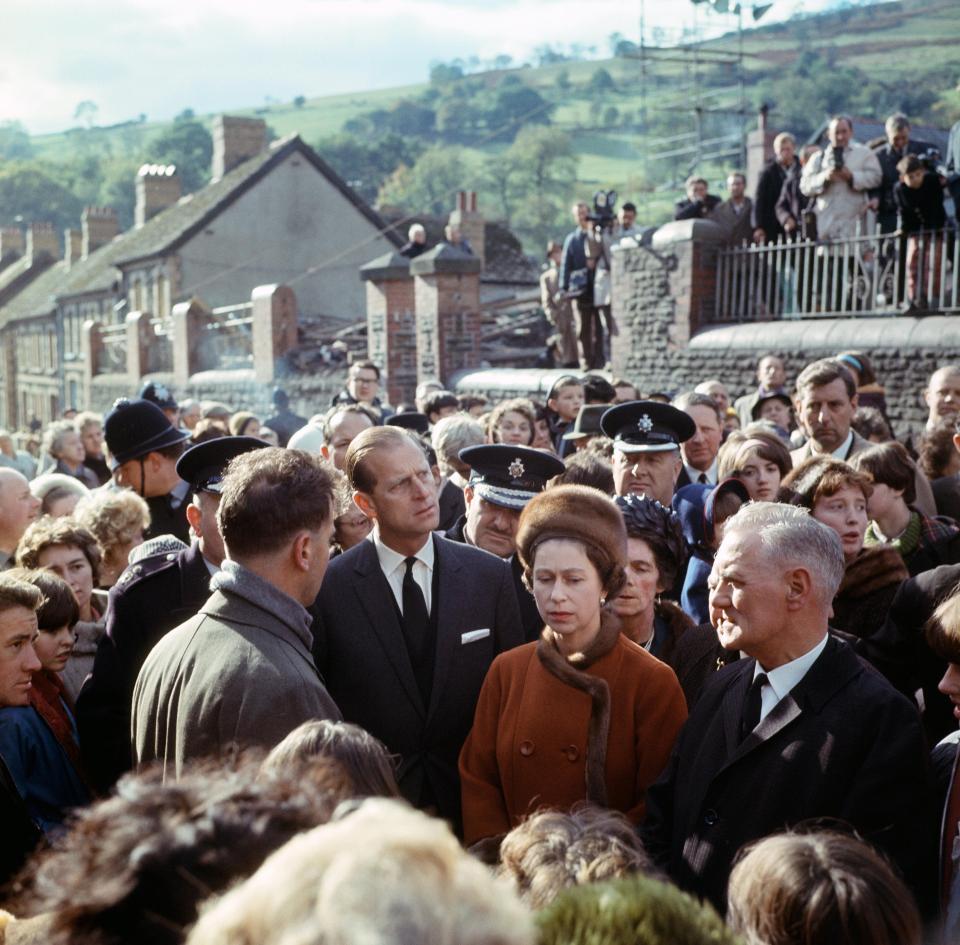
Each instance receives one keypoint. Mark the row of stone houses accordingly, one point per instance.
(272, 214)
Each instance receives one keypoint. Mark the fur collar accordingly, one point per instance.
(874, 568)
(572, 671)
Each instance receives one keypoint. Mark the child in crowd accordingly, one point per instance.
(563, 402)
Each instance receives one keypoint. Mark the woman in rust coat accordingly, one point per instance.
(583, 713)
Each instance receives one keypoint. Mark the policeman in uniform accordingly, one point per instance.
(144, 450)
(162, 396)
(503, 479)
(150, 598)
(646, 447)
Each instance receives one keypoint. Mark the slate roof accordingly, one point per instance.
(38, 298)
(174, 226)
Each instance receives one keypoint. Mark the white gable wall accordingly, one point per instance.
(289, 221)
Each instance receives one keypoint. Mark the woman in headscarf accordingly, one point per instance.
(583, 713)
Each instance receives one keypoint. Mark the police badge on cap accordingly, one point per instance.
(647, 426)
(509, 476)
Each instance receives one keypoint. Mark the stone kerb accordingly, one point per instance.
(447, 303)
(391, 324)
(274, 328)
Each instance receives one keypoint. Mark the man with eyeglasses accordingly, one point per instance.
(363, 383)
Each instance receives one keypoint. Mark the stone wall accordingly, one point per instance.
(661, 346)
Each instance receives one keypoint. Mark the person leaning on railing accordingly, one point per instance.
(919, 199)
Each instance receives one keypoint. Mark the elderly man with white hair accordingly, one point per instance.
(800, 729)
(416, 241)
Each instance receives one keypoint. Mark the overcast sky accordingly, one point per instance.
(161, 56)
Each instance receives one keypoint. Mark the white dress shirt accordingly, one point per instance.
(393, 565)
(844, 448)
(782, 680)
(710, 473)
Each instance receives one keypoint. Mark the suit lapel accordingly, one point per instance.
(732, 707)
(377, 601)
(448, 605)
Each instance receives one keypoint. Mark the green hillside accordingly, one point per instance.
(637, 123)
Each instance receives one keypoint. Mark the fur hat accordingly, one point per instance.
(576, 513)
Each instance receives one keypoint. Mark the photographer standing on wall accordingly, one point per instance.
(576, 280)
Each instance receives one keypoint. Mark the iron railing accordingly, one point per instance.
(878, 274)
(112, 358)
(227, 340)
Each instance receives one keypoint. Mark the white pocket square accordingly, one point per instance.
(471, 635)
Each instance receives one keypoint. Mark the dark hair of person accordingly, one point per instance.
(59, 607)
(862, 364)
(937, 449)
(551, 851)
(586, 468)
(173, 452)
(889, 464)
(823, 372)
(364, 366)
(518, 405)
(206, 429)
(870, 423)
(660, 528)
(466, 402)
(48, 532)
(326, 423)
(767, 445)
(632, 207)
(269, 496)
(943, 629)
(597, 390)
(726, 506)
(821, 476)
(17, 593)
(908, 164)
(440, 400)
(364, 760)
(563, 382)
(366, 443)
(601, 446)
(137, 866)
(821, 888)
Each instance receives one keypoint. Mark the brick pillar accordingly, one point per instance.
(274, 328)
(392, 325)
(662, 295)
(91, 348)
(140, 336)
(188, 320)
(447, 301)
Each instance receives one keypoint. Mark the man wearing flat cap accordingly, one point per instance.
(646, 447)
(503, 479)
(150, 598)
(144, 449)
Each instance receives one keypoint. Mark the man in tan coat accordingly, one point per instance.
(557, 308)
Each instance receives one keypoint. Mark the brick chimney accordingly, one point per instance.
(72, 246)
(470, 222)
(12, 244)
(759, 148)
(42, 242)
(99, 226)
(158, 187)
(235, 140)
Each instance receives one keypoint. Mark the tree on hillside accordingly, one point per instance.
(532, 182)
(429, 185)
(516, 106)
(188, 144)
(601, 81)
(366, 165)
(14, 142)
(443, 73)
(29, 193)
(87, 111)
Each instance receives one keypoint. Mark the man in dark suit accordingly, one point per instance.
(152, 597)
(801, 729)
(766, 227)
(410, 622)
(503, 479)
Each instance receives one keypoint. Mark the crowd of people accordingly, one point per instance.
(623, 666)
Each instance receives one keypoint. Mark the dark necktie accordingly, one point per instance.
(703, 480)
(752, 706)
(416, 628)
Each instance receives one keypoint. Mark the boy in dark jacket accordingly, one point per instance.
(918, 196)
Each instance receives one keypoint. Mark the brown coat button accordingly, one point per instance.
(571, 752)
(526, 749)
